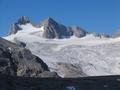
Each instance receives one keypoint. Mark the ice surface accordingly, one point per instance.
(96, 56)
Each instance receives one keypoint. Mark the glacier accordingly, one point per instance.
(72, 57)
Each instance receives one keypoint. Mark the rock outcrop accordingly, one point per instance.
(77, 31)
(52, 29)
(23, 20)
(70, 70)
(15, 27)
(18, 61)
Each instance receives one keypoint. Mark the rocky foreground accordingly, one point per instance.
(19, 61)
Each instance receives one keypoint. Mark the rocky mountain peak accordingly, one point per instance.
(48, 21)
(23, 20)
(77, 31)
(15, 27)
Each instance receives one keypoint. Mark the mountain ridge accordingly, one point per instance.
(53, 29)
(88, 54)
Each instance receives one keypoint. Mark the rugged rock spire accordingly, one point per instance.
(23, 20)
(52, 29)
(77, 31)
(15, 26)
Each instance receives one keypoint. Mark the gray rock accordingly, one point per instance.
(77, 31)
(52, 29)
(47, 74)
(15, 26)
(101, 35)
(23, 20)
(70, 70)
(56, 30)
(27, 64)
(18, 61)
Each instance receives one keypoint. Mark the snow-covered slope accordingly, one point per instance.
(72, 57)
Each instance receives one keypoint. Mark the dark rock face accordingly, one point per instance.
(18, 61)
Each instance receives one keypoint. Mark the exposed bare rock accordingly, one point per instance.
(18, 61)
(70, 70)
(77, 31)
(52, 29)
(23, 20)
(15, 27)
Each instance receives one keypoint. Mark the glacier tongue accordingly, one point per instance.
(73, 57)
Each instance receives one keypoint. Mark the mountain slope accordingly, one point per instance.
(91, 55)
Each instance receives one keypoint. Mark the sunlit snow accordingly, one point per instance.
(96, 56)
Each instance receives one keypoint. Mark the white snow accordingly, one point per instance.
(96, 56)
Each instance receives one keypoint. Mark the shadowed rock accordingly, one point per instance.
(52, 29)
(23, 20)
(77, 31)
(18, 61)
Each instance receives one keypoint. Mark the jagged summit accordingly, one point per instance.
(53, 29)
(50, 29)
(15, 27)
(77, 31)
(23, 20)
(48, 21)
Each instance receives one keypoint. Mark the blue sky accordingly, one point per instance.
(92, 15)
